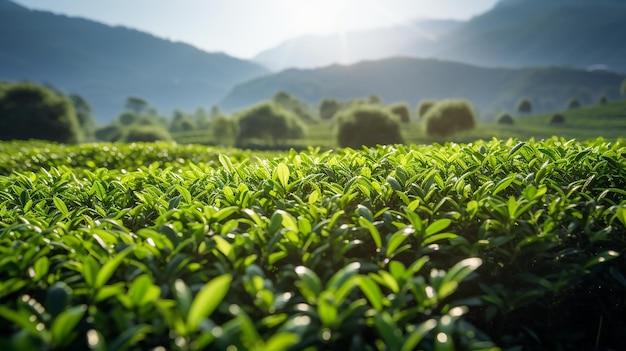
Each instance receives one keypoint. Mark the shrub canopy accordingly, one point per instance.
(557, 119)
(368, 125)
(505, 118)
(524, 106)
(448, 117)
(270, 122)
(402, 111)
(145, 133)
(424, 106)
(31, 111)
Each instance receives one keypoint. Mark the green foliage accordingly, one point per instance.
(374, 100)
(269, 122)
(202, 119)
(181, 123)
(505, 118)
(225, 130)
(127, 118)
(30, 111)
(623, 88)
(573, 104)
(86, 120)
(603, 100)
(298, 107)
(402, 111)
(491, 245)
(424, 106)
(367, 125)
(110, 133)
(137, 105)
(145, 133)
(524, 106)
(329, 108)
(449, 117)
(557, 119)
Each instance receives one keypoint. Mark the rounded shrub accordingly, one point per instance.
(127, 118)
(573, 104)
(424, 106)
(524, 106)
(557, 119)
(329, 108)
(402, 111)
(31, 111)
(270, 122)
(367, 125)
(448, 117)
(505, 118)
(111, 133)
(145, 133)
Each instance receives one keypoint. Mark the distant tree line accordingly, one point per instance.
(32, 111)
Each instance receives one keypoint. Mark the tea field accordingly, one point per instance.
(490, 245)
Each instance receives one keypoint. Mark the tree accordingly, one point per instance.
(623, 89)
(424, 106)
(368, 125)
(137, 105)
(181, 123)
(573, 104)
(31, 111)
(603, 100)
(270, 122)
(447, 117)
(127, 118)
(202, 119)
(557, 119)
(328, 108)
(402, 111)
(110, 133)
(225, 131)
(85, 116)
(524, 106)
(505, 118)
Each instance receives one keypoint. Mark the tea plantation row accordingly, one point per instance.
(492, 245)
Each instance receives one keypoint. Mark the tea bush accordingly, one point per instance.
(484, 246)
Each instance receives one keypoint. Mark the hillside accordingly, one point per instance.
(515, 33)
(107, 64)
(410, 80)
(540, 33)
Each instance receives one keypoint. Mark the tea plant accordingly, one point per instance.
(484, 246)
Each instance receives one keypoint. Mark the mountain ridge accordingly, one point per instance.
(410, 80)
(514, 33)
(105, 64)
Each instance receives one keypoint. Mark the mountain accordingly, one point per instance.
(410, 80)
(518, 33)
(353, 46)
(514, 33)
(107, 64)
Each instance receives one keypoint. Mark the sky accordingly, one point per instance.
(243, 28)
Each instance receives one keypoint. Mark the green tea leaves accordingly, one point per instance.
(207, 300)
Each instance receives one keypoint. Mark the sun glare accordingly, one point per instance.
(317, 16)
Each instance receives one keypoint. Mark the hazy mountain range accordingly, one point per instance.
(410, 80)
(515, 33)
(107, 64)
